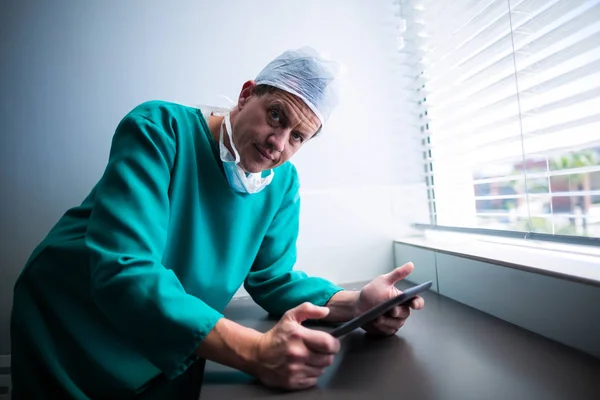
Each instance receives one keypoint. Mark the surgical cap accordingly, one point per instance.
(308, 75)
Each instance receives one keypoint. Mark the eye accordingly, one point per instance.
(275, 116)
(297, 137)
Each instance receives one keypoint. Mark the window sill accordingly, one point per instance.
(566, 261)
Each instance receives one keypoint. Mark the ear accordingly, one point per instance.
(246, 93)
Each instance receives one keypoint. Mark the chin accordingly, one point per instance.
(253, 169)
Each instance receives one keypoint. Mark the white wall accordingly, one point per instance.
(70, 70)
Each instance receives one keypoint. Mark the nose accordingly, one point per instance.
(278, 139)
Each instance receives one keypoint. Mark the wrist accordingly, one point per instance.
(231, 344)
(251, 356)
(343, 306)
(247, 349)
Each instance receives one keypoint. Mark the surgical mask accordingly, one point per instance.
(238, 179)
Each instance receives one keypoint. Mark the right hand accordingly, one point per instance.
(291, 356)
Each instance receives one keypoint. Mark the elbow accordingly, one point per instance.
(112, 277)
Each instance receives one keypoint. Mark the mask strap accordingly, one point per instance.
(227, 124)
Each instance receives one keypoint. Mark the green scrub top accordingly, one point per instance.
(126, 286)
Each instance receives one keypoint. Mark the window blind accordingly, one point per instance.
(509, 97)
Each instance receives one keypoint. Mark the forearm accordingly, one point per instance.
(231, 344)
(342, 306)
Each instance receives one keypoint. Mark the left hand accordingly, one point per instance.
(381, 289)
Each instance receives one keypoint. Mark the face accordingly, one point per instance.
(269, 129)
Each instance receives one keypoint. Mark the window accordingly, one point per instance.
(509, 92)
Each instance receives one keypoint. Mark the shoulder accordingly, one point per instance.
(162, 112)
(154, 125)
(161, 120)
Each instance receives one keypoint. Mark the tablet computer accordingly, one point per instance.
(379, 310)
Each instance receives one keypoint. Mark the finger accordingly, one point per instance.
(312, 372)
(394, 312)
(297, 352)
(304, 383)
(301, 376)
(399, 273)
(306, 311)
(319, 360)
(386, 324)
(381, 330)
(319, 341)
(401, 312)
(389, 322)
(417, 303)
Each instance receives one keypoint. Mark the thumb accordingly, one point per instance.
(399, 273)
(307, 311)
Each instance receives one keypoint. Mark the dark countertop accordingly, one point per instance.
(445, 351)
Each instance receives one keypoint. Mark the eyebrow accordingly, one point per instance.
(284, 111)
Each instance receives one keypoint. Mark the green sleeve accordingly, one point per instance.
(126, 237)
(272, 283)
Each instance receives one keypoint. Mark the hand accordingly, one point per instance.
(291, 356)
(381, 289)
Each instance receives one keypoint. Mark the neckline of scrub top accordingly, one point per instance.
(204, 117)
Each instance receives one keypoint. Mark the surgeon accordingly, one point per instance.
(124, 297)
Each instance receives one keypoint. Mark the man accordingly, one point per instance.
(124, 297)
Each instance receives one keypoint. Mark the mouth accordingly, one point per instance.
(263, 154)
